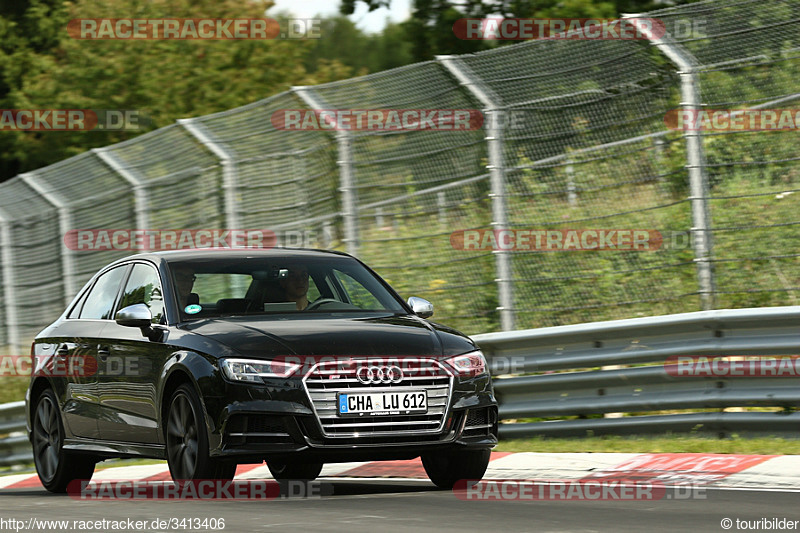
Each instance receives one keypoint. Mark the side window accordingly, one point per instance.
(313, 291)
(144, 287)
(356, 292)
(212, 287)
(100, 302)
(76, 310)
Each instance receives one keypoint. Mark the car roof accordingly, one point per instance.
(241, 253)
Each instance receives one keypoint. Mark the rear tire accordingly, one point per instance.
(187, 441)
(445, 468)
(55, 467)
(294, 471)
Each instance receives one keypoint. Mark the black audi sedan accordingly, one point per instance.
(212, 358)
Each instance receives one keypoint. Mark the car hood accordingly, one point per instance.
(341, 336)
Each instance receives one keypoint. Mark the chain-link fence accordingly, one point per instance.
(573, 138)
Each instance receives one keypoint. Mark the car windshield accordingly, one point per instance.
(219, 286)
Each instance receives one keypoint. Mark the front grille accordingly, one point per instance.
(326, 380)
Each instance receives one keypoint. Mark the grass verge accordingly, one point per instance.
(12, 389)
(655, 444)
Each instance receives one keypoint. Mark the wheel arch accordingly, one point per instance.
(35, 390)
(184, 368)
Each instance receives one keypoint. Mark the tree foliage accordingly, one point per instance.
(430, 28)
(41, 67)
(342, 41)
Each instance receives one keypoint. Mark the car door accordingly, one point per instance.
(130, 365)
(79, 336)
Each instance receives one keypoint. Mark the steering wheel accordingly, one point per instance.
(320, 302)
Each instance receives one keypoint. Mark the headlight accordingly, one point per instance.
(253, 370)
(468, 365)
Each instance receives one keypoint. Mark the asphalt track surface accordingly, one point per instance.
(384, 505)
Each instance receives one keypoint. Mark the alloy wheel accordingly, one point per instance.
(182, 438)
(46, 438)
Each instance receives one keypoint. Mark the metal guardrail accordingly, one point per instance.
(575, 371)
(569, 371)
(15, 448)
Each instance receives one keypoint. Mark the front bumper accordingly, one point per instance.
(279, 420)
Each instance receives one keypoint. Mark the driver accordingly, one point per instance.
(184, 283)
(296, 286)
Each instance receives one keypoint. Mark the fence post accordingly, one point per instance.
(140, 197)
(327, 234)
(441, 207)
(494, 122)
(572, 196)
(300, 169)
(346, 174)
(230, 178)
(9, 293)
(349, 200)
(695, 155)
(64, 225)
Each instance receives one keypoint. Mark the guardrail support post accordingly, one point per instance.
(9, 294)
(64, 225)
(696, 159)
(346, 173)
(494, 122)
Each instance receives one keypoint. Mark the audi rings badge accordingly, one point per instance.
(379, 375)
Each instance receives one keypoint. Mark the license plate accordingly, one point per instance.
(382, 403)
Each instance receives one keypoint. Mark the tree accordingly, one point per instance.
(29, 35)
(521, 8)
(431, 24)
(41, 67)
(342, 41)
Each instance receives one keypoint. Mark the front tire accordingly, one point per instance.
(55, 467)
(187, 441)
(294, 471)
(445, 468)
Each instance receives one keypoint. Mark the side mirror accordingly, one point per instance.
(139, 316)
(134, 316)
(421, 307)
